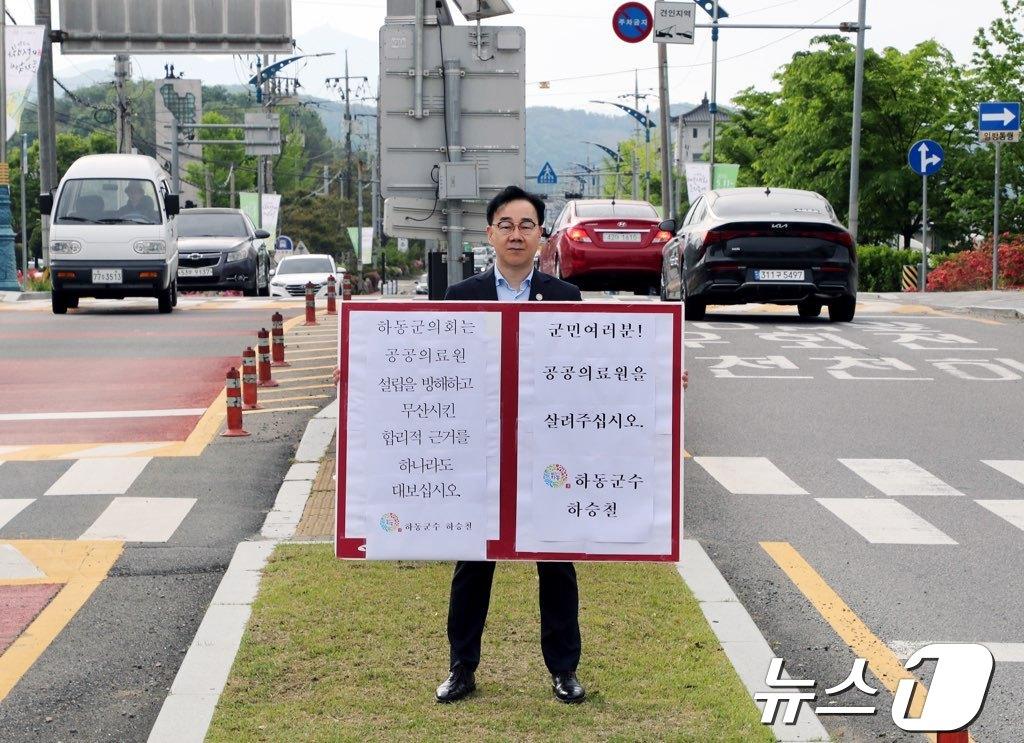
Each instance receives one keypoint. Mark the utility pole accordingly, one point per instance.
(343, 84)
(327, 183)
(208, 182)
(231, 186)
(122, 71)
(858, 94)
(47, 127)
(668, 201)
(713, 104)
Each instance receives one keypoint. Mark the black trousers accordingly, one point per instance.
(559, 614)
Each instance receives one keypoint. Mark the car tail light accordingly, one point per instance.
(65, 274)
(662, 236)
(148, 275)
(578, 234)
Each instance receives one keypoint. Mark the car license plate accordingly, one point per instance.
(777, 275)
(622, 237)
(107, 276)
(187, 272)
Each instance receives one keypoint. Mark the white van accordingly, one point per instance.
(113, 232)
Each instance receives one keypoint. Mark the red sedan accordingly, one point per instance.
(606, 244)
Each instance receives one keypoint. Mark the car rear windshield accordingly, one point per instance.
(734, 205)
(305, 265)
(108, 201)
(211, 225)
(621, 211)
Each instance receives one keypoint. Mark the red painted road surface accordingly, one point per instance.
(19, 605)
(93, 384)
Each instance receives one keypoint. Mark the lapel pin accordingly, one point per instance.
(540, 297)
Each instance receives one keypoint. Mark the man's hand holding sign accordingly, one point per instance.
(516, 430)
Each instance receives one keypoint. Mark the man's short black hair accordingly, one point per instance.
(514, 193)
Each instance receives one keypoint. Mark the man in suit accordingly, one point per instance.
(515, 221)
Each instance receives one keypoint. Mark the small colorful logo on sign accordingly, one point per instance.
(632, 22)
(389, 523)
(556, 476)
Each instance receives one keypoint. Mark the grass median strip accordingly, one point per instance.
(353, 651)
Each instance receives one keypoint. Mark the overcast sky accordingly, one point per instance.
(570, 43)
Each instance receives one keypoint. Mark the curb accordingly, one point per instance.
(739, 637)
(22, 296)
(188, 709)
(997, 313)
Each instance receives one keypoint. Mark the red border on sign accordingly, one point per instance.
(503, 548)
(627, 6)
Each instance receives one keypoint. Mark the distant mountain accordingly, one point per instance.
(555, 135)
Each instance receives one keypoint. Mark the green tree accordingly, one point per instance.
(799, 136)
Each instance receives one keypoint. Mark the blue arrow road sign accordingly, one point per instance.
(998, 116)
(284, 243)
(547, 174)
(925, 157)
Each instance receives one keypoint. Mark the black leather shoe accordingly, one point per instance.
(459, 684)
(567, 688)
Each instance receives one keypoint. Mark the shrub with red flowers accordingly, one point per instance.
(971, 270)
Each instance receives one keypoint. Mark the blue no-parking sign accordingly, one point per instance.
(925, 157)
(632, 22)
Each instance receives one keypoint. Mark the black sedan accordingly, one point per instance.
(776, 245)
(221, 249)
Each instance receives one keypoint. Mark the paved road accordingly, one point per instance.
(125, 524)
(883, 457)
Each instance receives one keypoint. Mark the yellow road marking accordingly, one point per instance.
(279, 410)
(297, 397)
(306, 379)
(304, 369)
(296, 389)
(312, 358)
(687, 455)
(81, 567)
(861, 640)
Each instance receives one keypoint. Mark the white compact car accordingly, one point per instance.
(294, 272)
(113, 232)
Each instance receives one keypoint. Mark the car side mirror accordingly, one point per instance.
(45, 203)
(273, 272)
(669, 225)
(171, 204)
(262, 234)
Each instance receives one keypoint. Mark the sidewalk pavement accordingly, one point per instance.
(1005, 304)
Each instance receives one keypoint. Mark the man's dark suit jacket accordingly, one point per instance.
(471, 583)
(544, 288)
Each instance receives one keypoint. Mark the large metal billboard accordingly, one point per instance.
(491, 133)
(176, 26)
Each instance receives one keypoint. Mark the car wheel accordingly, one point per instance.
(809, 308)
(253, 288)
(174, 293)
(265, 290)
(58, 303)
(842, 310)
(165, 299)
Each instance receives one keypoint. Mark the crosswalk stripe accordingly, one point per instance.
(899, 477)
(1003, 652)
(111, 476)
(140, 519)
(884, 521)
(1010, 467)
(11, 507)
(1009, 510)
(749, 476)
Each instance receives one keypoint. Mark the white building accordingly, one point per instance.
(693, 133)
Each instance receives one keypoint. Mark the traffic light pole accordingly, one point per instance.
(995, 222)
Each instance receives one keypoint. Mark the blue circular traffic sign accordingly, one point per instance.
(284, 243)
(925, 156)
(632, 22)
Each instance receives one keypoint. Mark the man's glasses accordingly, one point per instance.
(526, 227)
